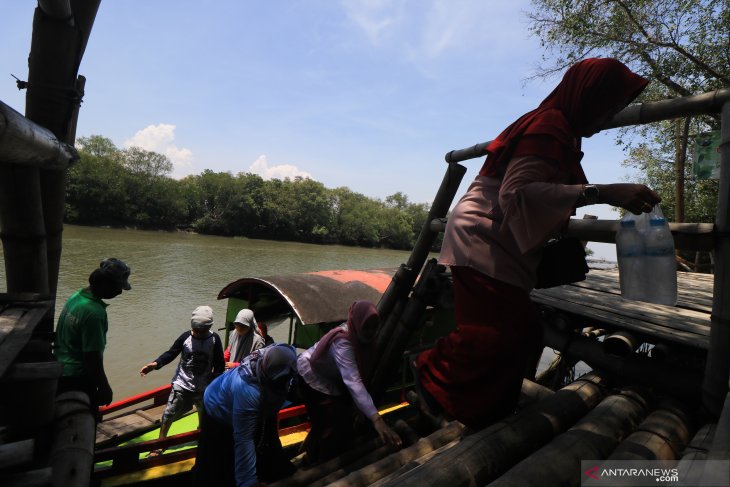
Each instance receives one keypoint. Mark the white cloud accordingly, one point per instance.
(159, 138)
(281, 171)
(377, 18)
(429, 28)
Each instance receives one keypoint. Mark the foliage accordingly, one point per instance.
(132, 187)
(683, 46)
(654, 159)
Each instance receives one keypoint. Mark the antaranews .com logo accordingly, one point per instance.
(640, 473)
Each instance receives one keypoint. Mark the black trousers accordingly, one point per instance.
(214, 463)
(332, 419)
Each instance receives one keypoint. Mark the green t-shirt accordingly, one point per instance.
(81, 328)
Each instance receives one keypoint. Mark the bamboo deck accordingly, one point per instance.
(598, 301)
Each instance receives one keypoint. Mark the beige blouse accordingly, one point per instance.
(499, 227)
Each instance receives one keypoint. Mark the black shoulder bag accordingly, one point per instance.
(563, 261)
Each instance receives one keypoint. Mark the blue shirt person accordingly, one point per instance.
(234, 404)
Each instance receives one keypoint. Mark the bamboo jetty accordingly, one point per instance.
(668, 405)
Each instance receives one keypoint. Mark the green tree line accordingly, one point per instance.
(133, 188)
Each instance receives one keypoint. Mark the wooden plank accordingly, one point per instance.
(28, 371)
(694, 290)
(8, 321)
(622, 322)
(17, 323)
(148, 417)
(660, 315)
(598, 298)
(135, 422)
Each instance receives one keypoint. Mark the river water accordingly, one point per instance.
(172, 273)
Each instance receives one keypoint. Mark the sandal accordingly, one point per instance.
(156, 453)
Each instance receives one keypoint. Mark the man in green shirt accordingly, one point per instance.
(81, 333)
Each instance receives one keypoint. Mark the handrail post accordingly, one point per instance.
(717, 367)
(391, 304)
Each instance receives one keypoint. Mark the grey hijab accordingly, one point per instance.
(242, 346)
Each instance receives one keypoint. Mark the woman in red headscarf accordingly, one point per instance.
(330, 380)
(528, 188)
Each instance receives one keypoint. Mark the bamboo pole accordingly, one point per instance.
(23, 232)
(482, 456)
(687, 106)
(621, 343)
(390, 478)
(717, 368)
(376, 471)
(305, 476)
(61, 31)
(690, 466)
(661, 436)
(687, 236)
(700, 444)
(637, 114)
(594, 437)
(360, 462)
(674, 381)
(402, 282)
(57, 9)
(720, 449)
(532, 392)
(26, 143)
(410, 320)
(16, 454)
(680, 164)
(72, 448)
(41, 477)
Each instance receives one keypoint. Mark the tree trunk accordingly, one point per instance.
(680, 159)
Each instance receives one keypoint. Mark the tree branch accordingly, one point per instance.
(671, 45)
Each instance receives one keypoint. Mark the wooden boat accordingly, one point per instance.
(307, 304)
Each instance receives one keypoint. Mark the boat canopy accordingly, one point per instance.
(314, 297)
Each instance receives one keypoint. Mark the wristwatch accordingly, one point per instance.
(590, 194)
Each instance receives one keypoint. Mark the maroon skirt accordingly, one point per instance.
(476, 371)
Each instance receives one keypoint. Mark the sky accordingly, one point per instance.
(367, 94)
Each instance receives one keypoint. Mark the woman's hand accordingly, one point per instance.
(147, 368)
(231, 365)
(387, 435)
(636, 198)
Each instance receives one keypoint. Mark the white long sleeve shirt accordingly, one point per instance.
(337, 374)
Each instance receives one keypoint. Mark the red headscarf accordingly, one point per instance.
(589, 91)
(360, 312)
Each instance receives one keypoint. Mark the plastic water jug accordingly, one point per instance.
(646, 262)
(661, 264)
(630, 255)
